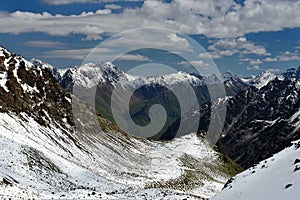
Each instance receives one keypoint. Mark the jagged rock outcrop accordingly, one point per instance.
(32, 89)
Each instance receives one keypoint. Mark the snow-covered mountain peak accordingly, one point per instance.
(228, 75)
(262, 79)
(11, 59)
(265, 77)
(17, 61)
(3, 52)
(174, 78)
(90, 75)
(102, 67)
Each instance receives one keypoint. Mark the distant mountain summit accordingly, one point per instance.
(292, 73)
(90, 75)
(262, 79)
(265, 77)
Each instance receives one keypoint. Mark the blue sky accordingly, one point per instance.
(244, 37)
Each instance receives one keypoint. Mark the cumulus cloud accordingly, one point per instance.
(213, 18)
(274, 70)
(103, 12)
(288, 56)
(113, 6)
(150, 38)
(132, 57)
(270, 59)
(210, 55)
(256, 62)
(195, 63)
(229, 47)
(284, 56)
(120, 46)
(255, 67)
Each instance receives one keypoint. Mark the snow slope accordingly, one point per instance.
(49, 162)
(277, 177)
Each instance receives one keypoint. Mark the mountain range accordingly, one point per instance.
(259, 112)
(59, 138)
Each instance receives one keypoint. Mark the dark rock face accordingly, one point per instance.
(233, 84)
(33, 90)
(154, 93)
(258, 123)
(263, 126)
(292, 73)
(67, 81)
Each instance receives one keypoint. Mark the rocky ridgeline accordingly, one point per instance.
(262, 122)
(32, 89)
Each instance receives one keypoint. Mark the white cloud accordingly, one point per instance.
(117, 46)
(135, 57)
(288, 56)
(195, 63)
(103, 12)
(284, 56)
(199, 63)
(210, 55)
(45, 44)
(64, 2)
(229, 47)
(76, 54)
(150, 38)
(255, 62)
(182, 42)
(255, 67)
(213, 18)
(225, 44)
(113, 6)
(245, 59)
(270, 59)
(228, 52)
(273, 70)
